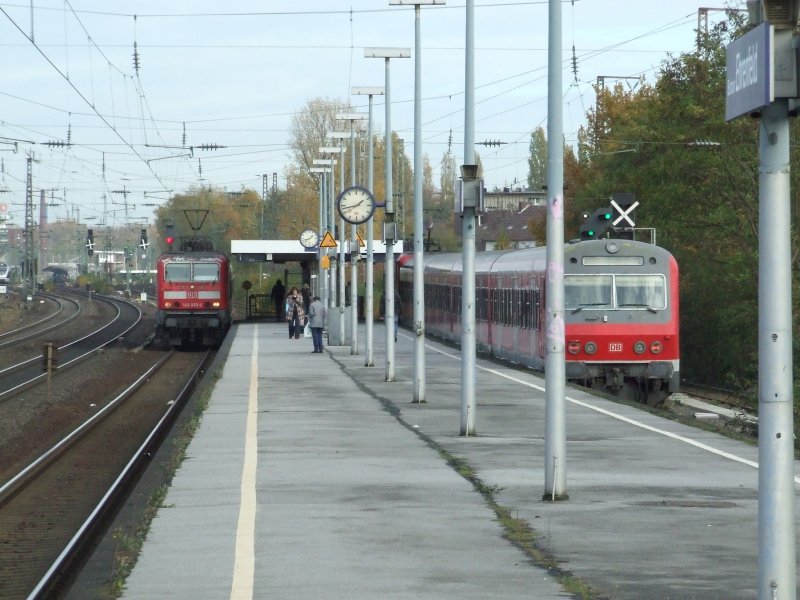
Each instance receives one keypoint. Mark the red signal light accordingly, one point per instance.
(170, 240)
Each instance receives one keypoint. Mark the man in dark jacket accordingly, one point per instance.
(277, 294)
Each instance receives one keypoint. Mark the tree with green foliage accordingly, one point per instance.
(537, 160)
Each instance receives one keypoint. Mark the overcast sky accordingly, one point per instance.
(233, 73)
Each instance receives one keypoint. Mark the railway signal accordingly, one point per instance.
(90, 242)
(169, 238)
(624, 203)
(597, 224)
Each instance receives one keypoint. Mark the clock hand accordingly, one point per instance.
(351, 205)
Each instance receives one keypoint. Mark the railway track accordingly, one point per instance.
(63, 310)
(719, 396)
(112, 319)
(56, 503)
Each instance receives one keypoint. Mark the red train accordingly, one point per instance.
(621, 311)
(194, 291)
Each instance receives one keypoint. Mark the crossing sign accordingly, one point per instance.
(624, 213)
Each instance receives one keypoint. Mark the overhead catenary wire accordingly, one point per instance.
(141, 118)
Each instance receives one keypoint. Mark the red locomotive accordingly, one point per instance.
(194, 291)
(621, 311)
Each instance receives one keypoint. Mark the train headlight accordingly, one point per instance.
(656, 347)
(573, 346)
(215, 304)
(590, 348)
(639, 347)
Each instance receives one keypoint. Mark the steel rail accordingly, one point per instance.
(63, 565)
(11, 391)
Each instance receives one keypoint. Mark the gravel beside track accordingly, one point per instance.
(35, 419)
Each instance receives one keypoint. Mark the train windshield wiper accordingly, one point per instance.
(585, 304)
(639, 305)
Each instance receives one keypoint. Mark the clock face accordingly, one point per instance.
(356, 205)
(309, 238)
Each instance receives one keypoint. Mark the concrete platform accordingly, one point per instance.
(313, 477)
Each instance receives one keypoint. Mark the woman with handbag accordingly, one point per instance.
(295, 315)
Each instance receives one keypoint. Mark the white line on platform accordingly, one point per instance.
(614, 415)
(244, 561)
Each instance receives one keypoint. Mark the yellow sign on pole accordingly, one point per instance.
(327, 241)
(324, 262)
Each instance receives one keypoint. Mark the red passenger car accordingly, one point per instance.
(620, 328)
(194, 291)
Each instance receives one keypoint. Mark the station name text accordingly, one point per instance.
(746, 72)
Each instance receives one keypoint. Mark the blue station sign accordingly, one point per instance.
(750, 77)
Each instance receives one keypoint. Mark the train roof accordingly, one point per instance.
(205, 256)
(534, 259)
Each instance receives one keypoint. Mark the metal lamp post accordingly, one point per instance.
(330, 287)
(354, 250)
(555, 470)
(419, 227)
(389, 225)
(369, 294)
(469, 173)
(775, 40)
(323, 226)
(341, 136)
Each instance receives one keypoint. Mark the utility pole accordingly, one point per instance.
(29, 272)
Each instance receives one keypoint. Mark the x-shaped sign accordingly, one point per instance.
(623, 214)
(143, 244)
(90, 244)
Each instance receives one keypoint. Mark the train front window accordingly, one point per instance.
(621, 292)
(641, 291)
(582, 291)
(206, 272)
(178, 272)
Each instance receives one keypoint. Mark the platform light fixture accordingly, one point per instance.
(783, 14)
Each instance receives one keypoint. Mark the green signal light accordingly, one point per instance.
(590, 233)
(606, 216)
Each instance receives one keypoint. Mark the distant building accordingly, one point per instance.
(510, 228)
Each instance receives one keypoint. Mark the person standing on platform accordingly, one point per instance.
(295, 315)
(277, 293)
(316, 313)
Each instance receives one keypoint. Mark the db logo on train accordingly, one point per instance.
(615, 347)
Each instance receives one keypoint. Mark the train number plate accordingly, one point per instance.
(191, 295)
(615, 347)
